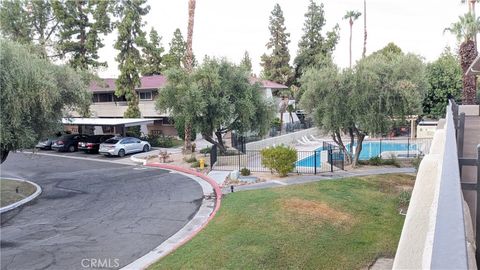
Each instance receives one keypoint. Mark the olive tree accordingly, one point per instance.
(381, 90)
(34, 95)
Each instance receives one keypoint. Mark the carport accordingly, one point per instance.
(119, 125)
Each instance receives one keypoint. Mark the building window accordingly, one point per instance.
(104, 97)
(145, 95)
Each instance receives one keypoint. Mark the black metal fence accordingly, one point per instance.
(308, 162)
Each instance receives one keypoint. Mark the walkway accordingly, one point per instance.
(302, 179)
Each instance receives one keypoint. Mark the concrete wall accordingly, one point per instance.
(287, 139)
(117, 109)
(437, 233)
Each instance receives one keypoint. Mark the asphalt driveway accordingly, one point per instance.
(92, 210)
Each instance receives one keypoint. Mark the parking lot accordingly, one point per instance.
(92, 210)
(81, 154)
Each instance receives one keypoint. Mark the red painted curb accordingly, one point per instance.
(216, 188)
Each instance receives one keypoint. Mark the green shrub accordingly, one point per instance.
(280, 159)
(245, 172)
(375, 161)
(160, 141)
(191, 159)
(404, 199)
(196, 164)
(205, 150)
(393, 161)
(416, 162)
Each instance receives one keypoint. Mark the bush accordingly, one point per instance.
(191, 159)
(404, 199)
(280, 159)
(160, 141)
(375, 161)
(205, 150)
(196, 164)
(245, 172)
(392, 161)
(416, 162)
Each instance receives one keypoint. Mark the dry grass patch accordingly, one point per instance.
(319, 211)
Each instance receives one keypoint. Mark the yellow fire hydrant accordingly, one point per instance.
(202, 163)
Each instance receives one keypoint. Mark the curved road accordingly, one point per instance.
(92, 212)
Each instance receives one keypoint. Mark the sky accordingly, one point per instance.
(228, 28)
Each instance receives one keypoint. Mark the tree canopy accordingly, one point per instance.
(153, 55)
(176, 54)
(276, 65)
(81, 24)
(314, 46)
(34, 94)
(130, 38)
(216, 98)
(371, 98)
(29, 22)
(246, 62)
(444, 77)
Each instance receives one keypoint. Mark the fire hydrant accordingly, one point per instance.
(202, 163)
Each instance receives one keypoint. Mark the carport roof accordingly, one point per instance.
(127, 122)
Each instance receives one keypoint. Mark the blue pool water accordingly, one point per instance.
(370, 149)
(373, 148)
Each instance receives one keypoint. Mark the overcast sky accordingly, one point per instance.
(227, 28)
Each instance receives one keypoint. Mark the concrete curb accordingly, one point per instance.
(192, 228)
(138, 160)
(23, 201)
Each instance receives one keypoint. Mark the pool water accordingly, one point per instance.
(374, 148)
(370, 149)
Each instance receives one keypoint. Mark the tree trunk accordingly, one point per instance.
(221, 147)
(352, 139)
(3, 155)
(350, 48)
(468, 53)
(337, 138)
(364, 28)
(358, 149)
(187, 145)
(189, 66)
(189, 49)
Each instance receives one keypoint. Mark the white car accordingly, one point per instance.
(122, 146)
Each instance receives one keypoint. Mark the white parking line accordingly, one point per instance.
(83, 158)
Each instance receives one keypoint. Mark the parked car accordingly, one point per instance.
(45, 144)
(93, 143)
(69, 142)
(121, 146)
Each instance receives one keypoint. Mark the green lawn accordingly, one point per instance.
(343, 224)
(8, 193)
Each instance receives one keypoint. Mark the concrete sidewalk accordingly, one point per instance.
(319, 177)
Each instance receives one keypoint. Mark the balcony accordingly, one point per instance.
(117, 109)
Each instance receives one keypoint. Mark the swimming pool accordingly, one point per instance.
(369, 149)
(374, 148)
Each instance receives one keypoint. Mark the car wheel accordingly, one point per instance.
(71, 148)
(146, 148)
(121, 153)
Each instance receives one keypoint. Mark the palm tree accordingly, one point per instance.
(364, 28)
(187, 145)
(351, 16)
(465, 31)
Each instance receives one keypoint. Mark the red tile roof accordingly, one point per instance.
(267, 83)
(158, 81)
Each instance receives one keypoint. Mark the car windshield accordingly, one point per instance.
(112, 141)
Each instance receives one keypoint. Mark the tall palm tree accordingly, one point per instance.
(364, 28)
(187, 145)
(465, 31)
(351, 16)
